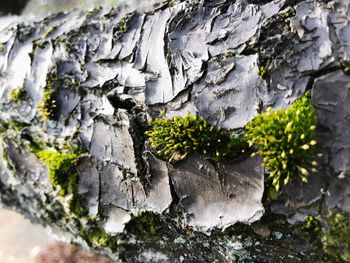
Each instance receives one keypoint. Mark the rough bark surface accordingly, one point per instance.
(109, 71)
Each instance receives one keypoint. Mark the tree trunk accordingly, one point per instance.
(77, 89)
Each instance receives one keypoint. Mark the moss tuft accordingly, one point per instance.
(344, 65)
(49, 31)
(336, 238)
(286, 140)
(11, 125)
(175, 138)
(17, 94)
(313, 228)
(262, 72)
(290, 13)
(97, 237)
(122, 25)
(48, 106)
(62, 170)
(145, 226)
(330, 236)
(63, 173)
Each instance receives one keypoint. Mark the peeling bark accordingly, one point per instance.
(110, 71)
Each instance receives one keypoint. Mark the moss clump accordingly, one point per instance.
(62, 170)
(122, 25)
(330, 236)
(3, 128)
(17, 94)
(313, 229)
(55, 211)
(344, 66)
(76, 207)
(290, 13)
(49, 31)
(11, 125)
(97, 237)
(286, 140)
(336, 238)
(63, 173)
(175, 138)
(262, 72)
(146, 226)
(48, 106)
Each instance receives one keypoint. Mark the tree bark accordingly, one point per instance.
(87, 83)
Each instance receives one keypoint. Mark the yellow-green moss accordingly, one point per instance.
(97, 237)
(344, 65)
(122, 25)
(62, 170)
(63, 174)
(262, 72)
(48, 106)
(49, 31)
(290, 13)
(330, 236)
(286, 140)
(17, 94)
(12, 125)
(336, 238)
(313, 229)
(175, 138)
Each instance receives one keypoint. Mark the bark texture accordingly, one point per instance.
(88, 82)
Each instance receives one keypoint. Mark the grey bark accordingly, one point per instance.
(112, 70)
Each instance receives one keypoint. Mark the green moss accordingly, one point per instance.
(336, 238)
(145, 226)
(330, 236)
(13, 125)
(47, 106)
(76, 207)
(17, 94)
(122, 25)
(1, 47)
(49, 31)
(169, 4)
(97, 237)
(3, 128)
(175, 138)
(313, 228)
(63, 173)
(55, 211)
(290, 13)
(346, 70)
(286, 140)
(35, 146)
(344, 65)
(262, 72)
(238, 143)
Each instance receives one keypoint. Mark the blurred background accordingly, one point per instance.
(40, 7)
(20, 240)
